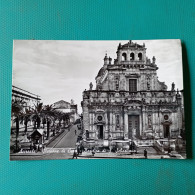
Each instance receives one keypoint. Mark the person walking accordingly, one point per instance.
(145, 153)
(78, 150)
(74, 155)
(93, 151)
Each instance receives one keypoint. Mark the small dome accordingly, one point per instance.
(100, 73)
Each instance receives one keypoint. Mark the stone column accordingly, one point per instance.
(126, 125)
(85, 116)
(128, 55)
(140, 124)
(119, 57)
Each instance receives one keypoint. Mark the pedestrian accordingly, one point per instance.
(78, 150)
(145, 153)
(31, 147)
(93, 151)
(75, 131)
(74, 155)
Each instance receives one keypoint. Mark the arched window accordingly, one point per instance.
(140, 56)
(124, 57)
(132, 56)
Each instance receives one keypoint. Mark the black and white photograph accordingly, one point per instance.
(121, 99)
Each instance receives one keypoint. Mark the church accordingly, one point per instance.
(129, 102)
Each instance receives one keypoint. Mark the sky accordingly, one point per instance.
(62, 70)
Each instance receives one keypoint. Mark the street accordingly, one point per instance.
(66, 140)
(62, 147)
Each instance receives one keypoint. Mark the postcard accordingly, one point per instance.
(97, 100)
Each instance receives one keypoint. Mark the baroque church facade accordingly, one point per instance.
(129, 102)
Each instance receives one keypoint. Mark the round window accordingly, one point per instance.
(99, 118)
(166, 117)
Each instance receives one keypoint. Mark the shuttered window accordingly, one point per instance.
(132, 85)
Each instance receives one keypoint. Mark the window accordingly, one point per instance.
(166, 117)
(117, 120)
(140, 56)
(132, 56)
(99, 118)
(124, 57)
(117, 83)
(132, 85)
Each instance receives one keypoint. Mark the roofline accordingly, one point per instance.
(25, 91)
(18, 92)
(123, 91)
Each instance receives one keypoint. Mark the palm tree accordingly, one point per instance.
(25, 117)
(66, 118)
(17, 109)
(36, 115)
(48, 115)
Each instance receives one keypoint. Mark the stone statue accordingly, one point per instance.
(134, 133)
(153, 60)
(125, 136)
(84, 136)
(119, 46)
(96, 134)
(177, 95)
(173, 87)
(72, 102)
(91, 86)
(149, 121)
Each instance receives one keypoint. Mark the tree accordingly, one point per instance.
(37, 114)
(25, 117)
(66, 118)
(48, 114)
(17, 109)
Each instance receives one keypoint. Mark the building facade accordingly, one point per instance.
(129, 102)
(66, 107)
(27, 99)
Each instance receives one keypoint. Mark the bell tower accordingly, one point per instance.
(131, 53)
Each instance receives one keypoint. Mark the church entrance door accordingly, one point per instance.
(133, 126)
(100, 132)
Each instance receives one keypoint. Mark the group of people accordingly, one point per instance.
(80, 148)
(133, 147)
(37, 147)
